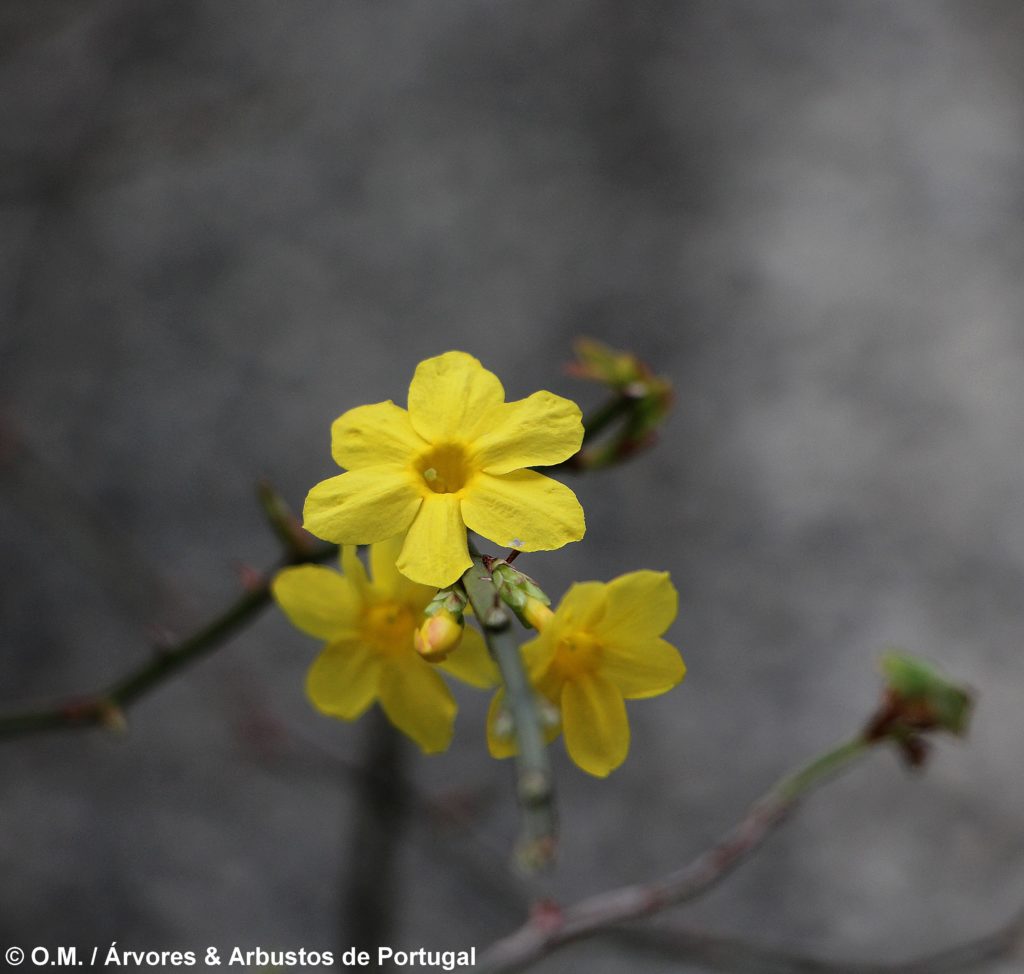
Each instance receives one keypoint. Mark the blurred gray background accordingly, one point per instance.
(224, 224)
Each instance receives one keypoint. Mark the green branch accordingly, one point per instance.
(535, 789)
(106, 707)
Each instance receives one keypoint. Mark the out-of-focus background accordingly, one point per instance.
(222, 225)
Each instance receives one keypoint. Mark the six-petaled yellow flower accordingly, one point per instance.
(369, 625)
(458, 457)
(602, 645)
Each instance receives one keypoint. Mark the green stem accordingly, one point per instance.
(535, 789)
(106, 706)
(790, 788)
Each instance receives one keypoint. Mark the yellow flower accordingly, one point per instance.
(457, 458)
(601, 646)
(369, 628)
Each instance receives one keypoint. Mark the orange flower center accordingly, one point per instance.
(388, 628)
(576, 654)
(444, 468)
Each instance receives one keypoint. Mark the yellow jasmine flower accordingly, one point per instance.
(457, 458)
(369, 626)
(602, 646)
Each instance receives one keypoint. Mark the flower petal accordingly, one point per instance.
(390, 583)
(355, 572)
(369, 436)
(435, 550)
(318, 600)
(641, 603)
(344, 679)
(471, 662)
(419, 703)
(523, 510)
(581, 608)
(534, 432)
(595, 725)
(643, 667)
(450, 397)
(361, 506)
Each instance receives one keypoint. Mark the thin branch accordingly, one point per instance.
(735, 956)
(535, 788)
(552, 928)
(106, 707)
(370, 883)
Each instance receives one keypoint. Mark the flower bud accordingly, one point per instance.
(521, 594)
(438, 636)
(917, 700)
(537, 613)
(928, 701)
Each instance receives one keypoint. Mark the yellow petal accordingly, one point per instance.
(344, 679)
(450, 397)
(641, 603)
(534, 432)
(317, 601)
(582, 607)
(435, 550)
(538, 655)
(643, 667)
(352, 566)
(361, 506)
(471, 662)
(523, 510)
(595, 725)
(418, 703)
(499, 745)
(369, 436)
(390, 583)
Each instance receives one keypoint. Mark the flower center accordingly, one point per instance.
(444, 469)
(388, 627)
(576, 654)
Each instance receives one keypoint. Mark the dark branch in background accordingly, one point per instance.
(105, 708)
(369, 881)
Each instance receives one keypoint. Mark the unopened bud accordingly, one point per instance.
(916, 701)
(521, 594)
(928, 701)
(537, 614)
(438, 636)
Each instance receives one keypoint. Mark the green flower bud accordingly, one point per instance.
(521, 594)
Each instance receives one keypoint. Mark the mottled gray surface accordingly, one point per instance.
(224, 224)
